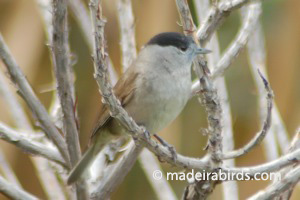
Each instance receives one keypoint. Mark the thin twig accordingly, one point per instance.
(32, 101)
(273, 166)
(7, 171)
(230, 189)
(15, 109)
(161, 186)
(105, 159)
(80, 13)
(216, 16)
(13, 192)
(270, 145)
(213, 20)
(45, 9)
(126, 21)
(117, 173)
(47, 175)
(290, 180)
(249, 24)
(61, 61)
(266, 126)
(30, 146)
(295, 144)
(20, 119)
(257, 60)
(47, 18)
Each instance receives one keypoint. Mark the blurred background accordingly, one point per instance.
(22, 29)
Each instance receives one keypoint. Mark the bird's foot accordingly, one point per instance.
(147, 134)
(170, 147)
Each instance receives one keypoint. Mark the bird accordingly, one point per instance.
(153, 90)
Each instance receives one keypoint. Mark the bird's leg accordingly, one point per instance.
(170, 147)
(145, 132)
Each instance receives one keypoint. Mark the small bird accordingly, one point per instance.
(153, 90)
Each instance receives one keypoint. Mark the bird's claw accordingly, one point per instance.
(170, 147)
(173, 152)
(147, 134)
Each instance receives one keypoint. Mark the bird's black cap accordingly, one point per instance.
(175, 39)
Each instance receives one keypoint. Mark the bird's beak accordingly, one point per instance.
(202, 51)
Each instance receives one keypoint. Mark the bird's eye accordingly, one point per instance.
(183, 48)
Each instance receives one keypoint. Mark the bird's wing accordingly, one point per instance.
(124, 91)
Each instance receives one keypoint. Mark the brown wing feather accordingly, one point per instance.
(127, 81)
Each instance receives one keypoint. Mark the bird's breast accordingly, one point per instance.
(160, 99)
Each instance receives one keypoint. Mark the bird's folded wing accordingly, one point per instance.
(124, 91)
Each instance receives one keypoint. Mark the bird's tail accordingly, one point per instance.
(89, 156)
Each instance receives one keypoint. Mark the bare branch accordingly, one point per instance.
(257, 60)
(266, 126)
(275, 165)
(161, 186)
(16, 110)
(295, 144)
(32, 101)
(82, 18)
(14, 192)
(60, 50)
(209, 95)
(290, 180)
(22, 122)
(8, 172)
(279, 129)
(186, 17)
(48, 178)
(105, 159)
(249, 24)
(216, 16)
(126, 21)
(30, 146)
(230, 189)
(117, 173)
(212, 104)
(47, 18)
(43, 167)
